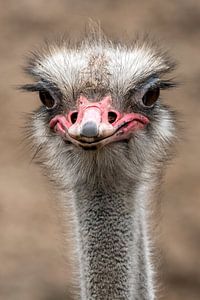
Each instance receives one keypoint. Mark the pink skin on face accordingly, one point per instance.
(92, 125)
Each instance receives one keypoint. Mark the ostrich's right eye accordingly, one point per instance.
(47, 99)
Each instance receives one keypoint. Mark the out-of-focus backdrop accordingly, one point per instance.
(33, 260)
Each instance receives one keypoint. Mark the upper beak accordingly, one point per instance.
(92, 120)
(97, 123)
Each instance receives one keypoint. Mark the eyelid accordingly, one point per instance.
(48, 95)
(141, 92)
(54, 95)
(143, 88)
(151, 84)
(43, 86)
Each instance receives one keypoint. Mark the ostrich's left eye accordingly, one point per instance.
(151, 96)
(47, 99)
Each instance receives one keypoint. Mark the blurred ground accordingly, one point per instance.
(32, 265)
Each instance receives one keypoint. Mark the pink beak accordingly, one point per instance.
(95, 122)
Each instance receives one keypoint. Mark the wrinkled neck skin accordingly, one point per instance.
(113, 254)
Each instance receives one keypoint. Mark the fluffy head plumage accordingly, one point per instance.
(95, 68)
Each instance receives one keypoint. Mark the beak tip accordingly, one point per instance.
(89, 129)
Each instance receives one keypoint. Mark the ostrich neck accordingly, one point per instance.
(114, 259)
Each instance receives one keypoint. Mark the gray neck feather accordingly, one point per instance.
(114, 258)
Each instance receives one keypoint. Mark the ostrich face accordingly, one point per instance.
(98, 96)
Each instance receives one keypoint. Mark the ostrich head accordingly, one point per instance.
(101, 112)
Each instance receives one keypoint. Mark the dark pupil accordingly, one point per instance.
(151, 97)
(46, 99)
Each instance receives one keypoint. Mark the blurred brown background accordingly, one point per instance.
(32, 264)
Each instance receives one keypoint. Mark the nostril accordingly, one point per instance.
(112, 116)
(74, 117)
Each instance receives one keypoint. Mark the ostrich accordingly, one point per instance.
(102, 135)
